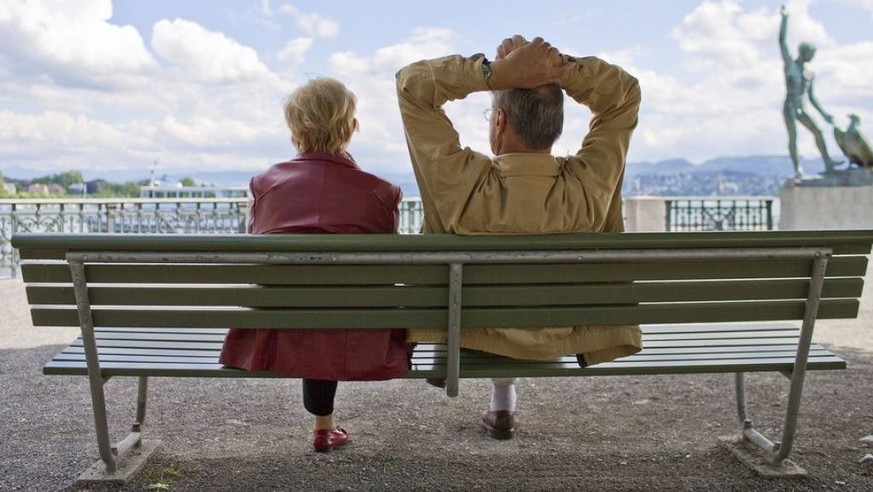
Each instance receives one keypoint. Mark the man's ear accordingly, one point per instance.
(499, 119)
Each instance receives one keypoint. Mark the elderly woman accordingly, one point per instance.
(322, 190)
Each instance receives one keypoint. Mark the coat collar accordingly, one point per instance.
(344, 159)
(527, 164)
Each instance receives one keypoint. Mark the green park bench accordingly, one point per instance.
(159, 305)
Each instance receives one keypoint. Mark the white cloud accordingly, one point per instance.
(70, 40)
(847, 69)
(312, 23)
(721, 33)
(53, 140)
(371, 78)
(294, 50)
(208, 56)
(864, 4)
(266, 8)
(424, 43)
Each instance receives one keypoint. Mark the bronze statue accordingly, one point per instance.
(799, 83)
(854, 144)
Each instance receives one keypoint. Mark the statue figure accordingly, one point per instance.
(853, 143)
(799, 83)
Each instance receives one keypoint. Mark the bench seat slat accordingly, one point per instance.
(423, 352)
(531, 369)
(211, 357)
(750, 344)
(653, 344)
(644, 368)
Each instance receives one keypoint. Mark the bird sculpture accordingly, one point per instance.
(853, 143)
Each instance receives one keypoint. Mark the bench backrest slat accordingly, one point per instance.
(438, 318)
(437, 274)
(55, 246)
(418, 296)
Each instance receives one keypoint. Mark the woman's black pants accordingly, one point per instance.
(318, 396)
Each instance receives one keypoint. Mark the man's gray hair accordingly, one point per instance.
(537, 115)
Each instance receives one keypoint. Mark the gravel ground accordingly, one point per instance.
(615, 433)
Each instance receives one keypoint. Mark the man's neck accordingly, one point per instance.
(516, 148)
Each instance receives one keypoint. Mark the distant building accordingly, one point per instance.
(9, 188)
(46, 189)
(77, 189)
(95, 185)
(179, 191)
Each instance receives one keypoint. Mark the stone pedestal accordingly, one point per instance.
(645, 214)
(842, 201)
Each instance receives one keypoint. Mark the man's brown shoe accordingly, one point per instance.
(499, 424)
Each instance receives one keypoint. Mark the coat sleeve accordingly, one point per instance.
(613, 96)
(446, 172)
(394, 213)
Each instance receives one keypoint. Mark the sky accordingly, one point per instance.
(197, 86)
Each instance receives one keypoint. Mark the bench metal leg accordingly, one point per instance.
(141, 397)
(95, 378)
(453, 337)
(134, 439)
(109, 454)
(749, 431)
(779, 451)
(740, 383)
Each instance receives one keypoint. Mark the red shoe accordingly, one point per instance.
(325, 439)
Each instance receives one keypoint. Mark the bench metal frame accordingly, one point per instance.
(778, 452)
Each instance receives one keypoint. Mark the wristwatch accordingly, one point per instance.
(486, 72)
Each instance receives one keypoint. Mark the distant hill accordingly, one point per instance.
(725, 176)
(759, 165)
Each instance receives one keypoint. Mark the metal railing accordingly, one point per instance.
(720, 214)
(228, 216)
(139, 216)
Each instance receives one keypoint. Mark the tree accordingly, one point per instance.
(64, 179)
(68, 178)
(3, 192)
(115, 190)
(186, 181)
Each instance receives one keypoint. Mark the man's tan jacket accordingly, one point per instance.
(466, 192)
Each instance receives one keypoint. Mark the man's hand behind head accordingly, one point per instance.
(525, 65)
(509, 45)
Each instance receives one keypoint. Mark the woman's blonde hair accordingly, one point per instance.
(321, 116)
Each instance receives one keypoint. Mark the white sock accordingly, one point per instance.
(503, 397)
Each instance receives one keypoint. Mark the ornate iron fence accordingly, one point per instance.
(139, 216)
(720, 214)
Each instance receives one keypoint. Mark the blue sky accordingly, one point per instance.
(101, 86)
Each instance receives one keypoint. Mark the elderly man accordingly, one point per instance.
(523, 189)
